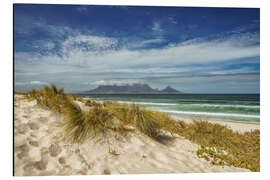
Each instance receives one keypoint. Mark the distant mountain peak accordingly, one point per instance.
(135, 88)
(169, 89)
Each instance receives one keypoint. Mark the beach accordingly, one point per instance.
(229, 107)
(39, 149)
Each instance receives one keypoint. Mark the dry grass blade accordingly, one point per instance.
(74, 125)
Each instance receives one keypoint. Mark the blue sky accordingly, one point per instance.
(195, 50)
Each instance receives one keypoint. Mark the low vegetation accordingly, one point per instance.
(218, 144)
(222, 146)
(50, 98)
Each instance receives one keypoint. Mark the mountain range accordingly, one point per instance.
(131, 89)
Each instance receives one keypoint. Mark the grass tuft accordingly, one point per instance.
(50, 97)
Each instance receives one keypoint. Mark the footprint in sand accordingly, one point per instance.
(25, 116)
(34, 143)
(29, 169)
(22, 128)
(24, 149)
(33, 126)
(55, 150)
(22, 154)
(62, 160)
(42, 164)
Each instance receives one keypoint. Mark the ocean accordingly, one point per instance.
(233, 107)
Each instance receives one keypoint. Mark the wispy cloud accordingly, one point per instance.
(87, 43)
(114, 82)
(172, 20)
(29, 25)
(82, 9)
(31, 83)
(157, 27)
(83, 54)
(43, 46)
(144, 43)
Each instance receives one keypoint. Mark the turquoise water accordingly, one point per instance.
(235, 107)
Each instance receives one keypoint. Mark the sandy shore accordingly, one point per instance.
(41, 150)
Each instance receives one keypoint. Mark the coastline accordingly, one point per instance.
(225, 107)
(240, 126)
(41, 150)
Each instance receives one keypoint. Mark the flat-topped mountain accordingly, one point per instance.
(131, 89)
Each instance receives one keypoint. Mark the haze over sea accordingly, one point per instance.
(235, 107)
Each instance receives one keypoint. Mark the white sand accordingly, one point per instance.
(40, 150)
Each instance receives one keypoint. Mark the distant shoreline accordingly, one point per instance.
(79, 93)
(125, 93)
(184, 93)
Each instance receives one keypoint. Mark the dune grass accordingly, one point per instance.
(50, 97)
(222, 146)
(218, 143)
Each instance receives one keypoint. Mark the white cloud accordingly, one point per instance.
(115, 82)
(172, 20)
(44, 45)
(34, 23)
(234, 71)
(82, 9)
(37, 82)
(49, 45)
(30, 83)
(145, 43)
(20, 83)
(157, 27)
(88, 43)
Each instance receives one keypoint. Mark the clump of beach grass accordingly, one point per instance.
(147, 122)
(50, 97)
(218, 144)
(223, 146)
(74, 121)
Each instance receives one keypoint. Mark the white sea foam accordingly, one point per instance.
(226, 105)
(201, 105)
(148, 103)
(211, 114)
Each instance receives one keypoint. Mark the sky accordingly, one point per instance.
(194, 50)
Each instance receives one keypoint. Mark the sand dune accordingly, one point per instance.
(41, 150)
